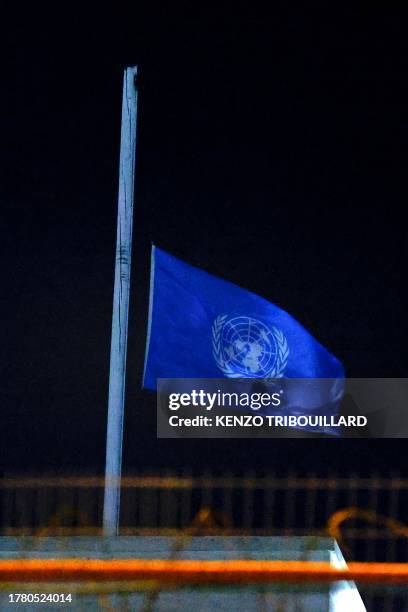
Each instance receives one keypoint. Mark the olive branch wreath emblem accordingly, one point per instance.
(281, 357)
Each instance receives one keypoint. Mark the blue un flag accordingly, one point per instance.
(201, 326)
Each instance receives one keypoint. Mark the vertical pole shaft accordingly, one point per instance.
(117, 373)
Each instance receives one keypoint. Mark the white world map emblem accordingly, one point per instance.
(244, 347)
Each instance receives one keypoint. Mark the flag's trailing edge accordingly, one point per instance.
(201, 326)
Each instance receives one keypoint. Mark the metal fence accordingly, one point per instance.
(367, 515)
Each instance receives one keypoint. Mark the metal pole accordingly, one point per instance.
(117, 373)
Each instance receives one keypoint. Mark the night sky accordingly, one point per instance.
(271, 151)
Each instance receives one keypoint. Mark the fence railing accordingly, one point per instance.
(367, 514)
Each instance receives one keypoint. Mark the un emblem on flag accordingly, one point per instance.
(244, 347)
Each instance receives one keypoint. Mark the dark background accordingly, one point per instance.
(271, 151)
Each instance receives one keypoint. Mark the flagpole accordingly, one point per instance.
(117, 373)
